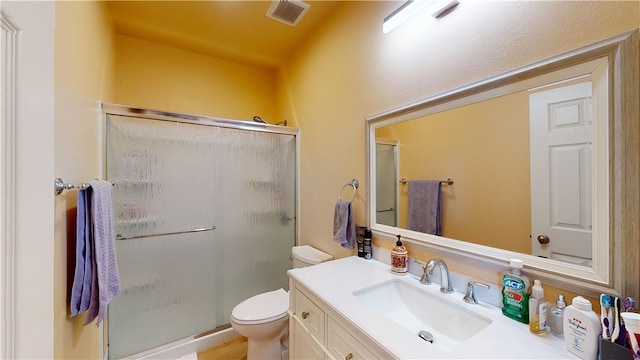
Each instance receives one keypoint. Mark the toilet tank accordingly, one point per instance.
(306, 255)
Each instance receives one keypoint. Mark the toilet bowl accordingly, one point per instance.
(263, 319)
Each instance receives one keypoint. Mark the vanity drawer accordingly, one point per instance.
(310, 315)
(344, 346)
(302, 345)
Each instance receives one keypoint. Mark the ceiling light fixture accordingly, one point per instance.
(410, 7)
(442, 7)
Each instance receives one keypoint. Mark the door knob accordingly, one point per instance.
(543, 239)
(305, 314)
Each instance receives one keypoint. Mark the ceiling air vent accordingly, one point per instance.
(289, 12)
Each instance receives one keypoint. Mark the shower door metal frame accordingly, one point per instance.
(160, 115)
(248, 125)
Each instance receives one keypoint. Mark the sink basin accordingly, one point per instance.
(416, 309)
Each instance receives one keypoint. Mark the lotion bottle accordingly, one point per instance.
(537, 309)
(399, 261)
(581, 329)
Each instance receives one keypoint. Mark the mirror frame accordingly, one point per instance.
(616, 273)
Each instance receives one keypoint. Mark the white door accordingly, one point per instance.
(561, 122)
(8, 56)
(28, 267)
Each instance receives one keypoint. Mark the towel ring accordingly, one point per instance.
(353, 183)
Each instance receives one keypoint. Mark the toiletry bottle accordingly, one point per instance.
(537, 309)
(581, 327)
(555, 316)
(366, 244)
(360, 240)
(515, 295)
(399, 258)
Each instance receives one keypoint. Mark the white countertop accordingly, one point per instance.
(335, 281)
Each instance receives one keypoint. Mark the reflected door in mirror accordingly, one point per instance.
(561, 173)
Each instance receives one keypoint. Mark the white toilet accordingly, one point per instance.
(263, 318)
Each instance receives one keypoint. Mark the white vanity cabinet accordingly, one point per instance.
(331, 318)
(319, 332)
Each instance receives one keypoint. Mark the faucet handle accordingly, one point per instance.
(424, 279)
(470, 296)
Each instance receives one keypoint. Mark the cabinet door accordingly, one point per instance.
(310, 315)
(302, 345)
(344, 346)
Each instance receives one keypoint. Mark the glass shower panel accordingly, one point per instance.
(386, 184)
(173, 177)
(161, 186)
(257, 214)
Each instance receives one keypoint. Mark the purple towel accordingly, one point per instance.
(424, 213)
(344, 229)
(81, 289)
(88, 260)
(106, 279)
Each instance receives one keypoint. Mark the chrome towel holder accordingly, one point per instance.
(449, 181)
(59, 186)
(353, 183)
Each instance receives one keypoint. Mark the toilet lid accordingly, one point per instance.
(262, 308)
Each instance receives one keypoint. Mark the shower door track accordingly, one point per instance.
(115, 109)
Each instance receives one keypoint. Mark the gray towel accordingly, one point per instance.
(81, 290)
(424, 206)
(344, 230)
(106, 275)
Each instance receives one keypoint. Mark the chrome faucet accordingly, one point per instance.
(445, 279)
(470, 296)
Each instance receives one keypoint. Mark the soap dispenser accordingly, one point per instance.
(399, 261)
(556, 316)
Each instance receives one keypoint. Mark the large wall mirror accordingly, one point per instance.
(540, 163)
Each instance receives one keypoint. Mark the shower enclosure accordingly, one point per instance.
(387, 182)
(205, 217)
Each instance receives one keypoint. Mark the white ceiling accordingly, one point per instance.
(234, 30)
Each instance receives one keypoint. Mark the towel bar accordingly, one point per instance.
(59, 186)
(120, 237)
(449, 181)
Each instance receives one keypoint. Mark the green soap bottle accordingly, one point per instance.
(515, 293)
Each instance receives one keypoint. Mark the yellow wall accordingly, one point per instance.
(348, 70)
(160, 77)
(84, 77)
(491, 185)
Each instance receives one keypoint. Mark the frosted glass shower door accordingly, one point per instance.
(257, 214)
(173, 177)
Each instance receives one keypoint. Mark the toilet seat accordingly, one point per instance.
(262, 308)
